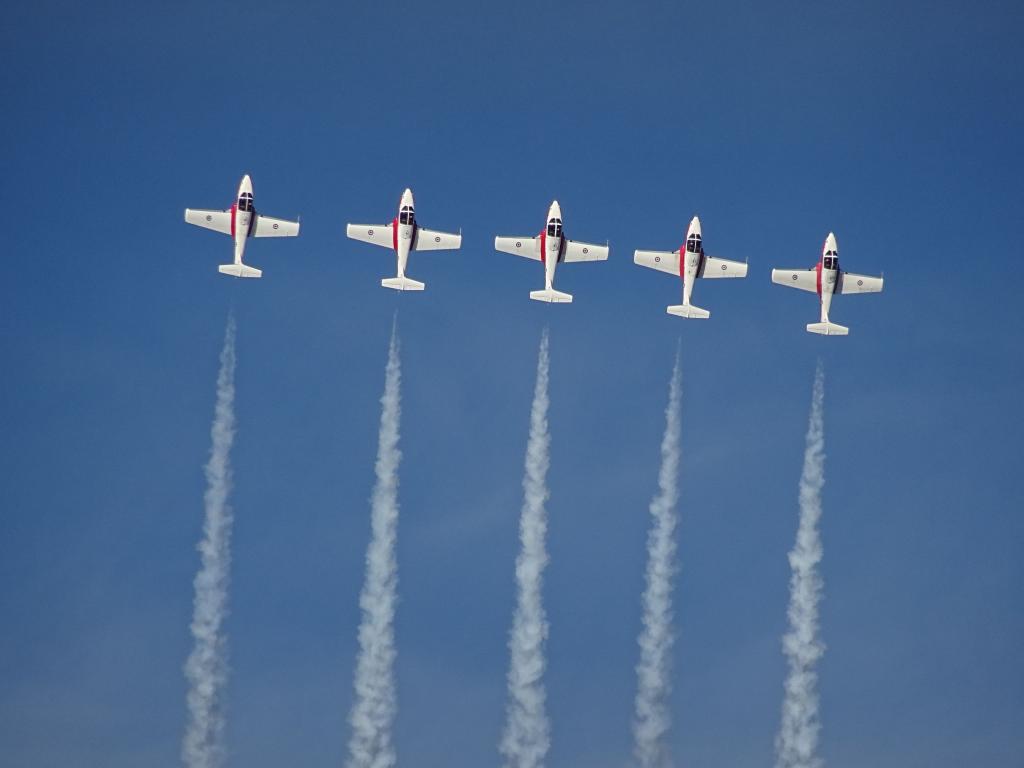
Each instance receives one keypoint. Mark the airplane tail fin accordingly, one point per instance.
(688, 310)
(239, 270)
(402, 284)
(828, 329)
(551, 296)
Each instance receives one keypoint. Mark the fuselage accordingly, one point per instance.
(403, 230)
(552, 243)
(828, 274)
(691, 256)
(243, 217)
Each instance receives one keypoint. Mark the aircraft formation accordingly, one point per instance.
(403, 234)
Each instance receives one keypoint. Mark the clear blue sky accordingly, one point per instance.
(898, 126)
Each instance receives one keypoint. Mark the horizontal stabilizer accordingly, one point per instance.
(688, 310)
(402, 284)
(239, 270)
(551, 296)
(828, 329)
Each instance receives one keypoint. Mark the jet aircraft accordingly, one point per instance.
(551, 247)
(690, 262)
(241, 221)
(404, 234)
(827, 279)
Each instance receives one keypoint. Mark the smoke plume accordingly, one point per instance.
(654, 685)
(206, 669)
(373, 711)
(798, 735)
(526, 739)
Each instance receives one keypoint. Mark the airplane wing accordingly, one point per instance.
(575, 251)
(804, 279)
(713, 267)
(852, 283)
(520, 246)
(218, 221)
(429, 240)
(663, 261)
(269, 227)
(377, 234)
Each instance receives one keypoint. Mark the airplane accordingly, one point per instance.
(403, 234)
(690, 262)
(826, 279)
(551, 248)
(241, 222)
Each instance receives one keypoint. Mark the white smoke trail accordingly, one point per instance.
(207, 667)
(651, 721)
(525, 740)
(373, 711)
(798, 735)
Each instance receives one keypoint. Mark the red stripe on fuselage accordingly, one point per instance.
(394, 234)
(821, 262)
(544, 245)
(234, 213)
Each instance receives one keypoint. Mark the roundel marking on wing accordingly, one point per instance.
(275, 226)
(518, 244)
(795, 277)
(586, 251)
(369, 232)
(209, 217)
(860, 282)
(724, 267)
(437, 238)
(657, 259)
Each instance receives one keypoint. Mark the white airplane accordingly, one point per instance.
(826, 279)
(241, 222)
(689, 262)
(551, 248)
(403, 234)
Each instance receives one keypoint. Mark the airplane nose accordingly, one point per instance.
(830, 242)
(406, 200)
(695, 225)
(555, 211)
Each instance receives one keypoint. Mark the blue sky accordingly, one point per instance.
(896, 127)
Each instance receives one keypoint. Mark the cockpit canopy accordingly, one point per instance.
(407, 215)
(694, 244)
(830, 260)
(245, 201)
(554, 228)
